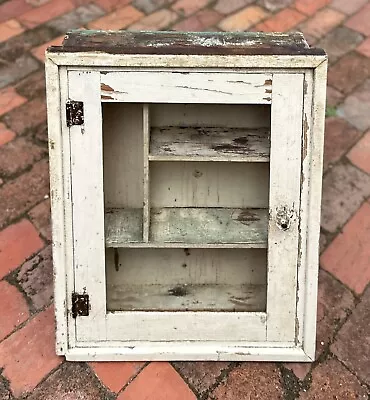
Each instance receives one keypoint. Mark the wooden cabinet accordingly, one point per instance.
(185, 185)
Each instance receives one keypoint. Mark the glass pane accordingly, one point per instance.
(207, 206)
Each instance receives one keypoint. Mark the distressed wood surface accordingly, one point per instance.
(180, 87)
(175, 266)
(247, 116)
(313, 209)
(178, 143)
(59, 196)
(161, 329)
(184, 351)
(218, 43)
(146, 177)
(86, 143)
(185, 297)
(123, 225)
(209, 225)
(123, 155)
(209, 184)
(285, 175)
(172, 326)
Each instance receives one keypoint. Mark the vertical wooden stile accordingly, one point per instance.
(146, 202)
(285, 175)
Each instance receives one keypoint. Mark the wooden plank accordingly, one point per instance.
(123, 146)
(221, 43)
(146, 181)
(209, 225)
(285, 175)
(209, 184)
(178, 143)
(251, 116)
(186, 297)
(312, 266)
(217, 266)
(185, 351)
(88, 204)
(178, 325)
(194, 87)
(58, 197)
(304, 223)
(120, 61)
(123, 225)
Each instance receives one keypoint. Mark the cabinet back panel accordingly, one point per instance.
(186, 266)
(186, 279)
(221, 115)
(123, 154)
(209, 184)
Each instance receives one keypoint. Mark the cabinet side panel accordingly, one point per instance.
(285, 166)
(318, 110)
(57, 203)
(304, 206)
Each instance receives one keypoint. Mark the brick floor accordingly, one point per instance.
(29, 368)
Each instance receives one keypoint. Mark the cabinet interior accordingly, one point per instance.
(186, 190)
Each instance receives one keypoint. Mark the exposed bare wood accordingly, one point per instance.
(222, 43)
(123, 225)
(209, 144)
(186, 297)
(182, 87)
(209, 225)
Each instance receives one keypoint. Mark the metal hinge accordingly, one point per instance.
(74, 112)
(80, 305)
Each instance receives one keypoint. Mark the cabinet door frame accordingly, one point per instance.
(301, 349)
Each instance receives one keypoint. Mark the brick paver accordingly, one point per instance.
(348, 255)
(331, 380)
(253, 380)
(352, 346)
(6, 135)
(359, 155)
(157, 381)
(13, 309)
(29, 367)
(115, 375)
(28, 354)
(17, 242)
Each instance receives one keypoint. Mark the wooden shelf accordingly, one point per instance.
(123, 225)
(188, 228)
(182, 297)
(209, 225)
(175, 143)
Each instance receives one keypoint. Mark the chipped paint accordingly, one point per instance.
(305, 139)
(106, 88)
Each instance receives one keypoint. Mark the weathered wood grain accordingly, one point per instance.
(185, 87)
(209, 225)
(178, 143)
(195, 43)
(209, 184)
(123, 225)
(185, 297)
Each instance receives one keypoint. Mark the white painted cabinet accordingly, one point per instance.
(185, 187)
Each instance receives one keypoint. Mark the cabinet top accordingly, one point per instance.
(188, 43)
